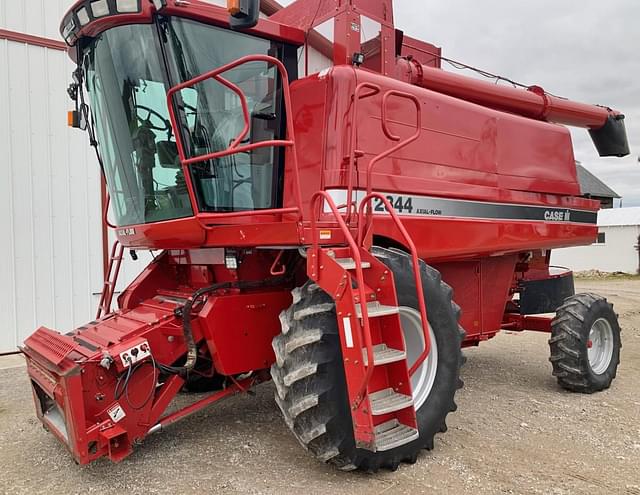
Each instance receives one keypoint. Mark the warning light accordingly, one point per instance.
(233, 6)
(73, 119)
(243, 14)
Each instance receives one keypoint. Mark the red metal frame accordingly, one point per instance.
(390, 135)
(30, 39)
(366, 203)
(235, 388)
(110, 279)
(374, 89)
(234, 146)
(533, 323)
(104, 202)
(196, 10)
(278, 271)
(355, 253)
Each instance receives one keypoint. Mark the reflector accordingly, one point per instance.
(99, 8)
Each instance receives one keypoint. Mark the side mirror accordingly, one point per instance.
(243, 14)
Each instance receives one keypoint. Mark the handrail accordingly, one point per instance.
(109, 286)
(368, 217)
(105, 213)
(374, 90)
(234, 146)
(416, 269)
(283, 268)
(359, 277)
(385, 128)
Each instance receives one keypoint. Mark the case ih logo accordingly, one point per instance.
(557, 216)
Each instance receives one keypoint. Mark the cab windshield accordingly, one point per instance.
(129, 70)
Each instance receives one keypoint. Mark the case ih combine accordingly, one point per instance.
(344, 233)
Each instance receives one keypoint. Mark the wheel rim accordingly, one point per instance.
(423, 379)
(600, 346)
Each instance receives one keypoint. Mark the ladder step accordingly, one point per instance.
(388, 400)
(384, 355)
(375, 309)
(392, 434)
(350, 263)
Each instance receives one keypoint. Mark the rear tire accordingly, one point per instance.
(309, 374)
(585, 344)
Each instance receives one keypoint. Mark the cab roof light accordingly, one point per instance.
(99, 8)
(127, 6)
(83, 16)
(90, 10)
(69, 30)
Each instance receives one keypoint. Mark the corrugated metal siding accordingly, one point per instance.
(51, 244)
(37, 17)
(50, 219)
(49, 197)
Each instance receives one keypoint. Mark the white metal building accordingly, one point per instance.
(51, 249)
(616, 249)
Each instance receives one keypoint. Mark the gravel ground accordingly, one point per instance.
(515, 432)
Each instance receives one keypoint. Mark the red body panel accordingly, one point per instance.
(461, 143)
(243, 342)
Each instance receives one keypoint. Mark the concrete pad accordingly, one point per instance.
(515, 432)
(11, 361)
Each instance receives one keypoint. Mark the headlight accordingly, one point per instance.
(68, 29)
(91, 10)
(127, 6)
(99, 8)
(83, 16)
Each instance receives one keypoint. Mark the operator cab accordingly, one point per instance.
(127, 71)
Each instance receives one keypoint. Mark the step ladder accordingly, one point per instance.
(387, 402)
(111, 277)
(377, 372)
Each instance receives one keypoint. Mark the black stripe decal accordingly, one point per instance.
(405, 204)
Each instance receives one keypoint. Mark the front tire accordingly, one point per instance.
(585, 344)
(309, 374)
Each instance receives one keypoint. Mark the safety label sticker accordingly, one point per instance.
(116, 413)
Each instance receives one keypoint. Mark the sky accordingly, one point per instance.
(585, 50)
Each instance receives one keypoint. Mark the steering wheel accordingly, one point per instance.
(166, 124)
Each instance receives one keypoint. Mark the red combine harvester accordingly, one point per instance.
(319, 189)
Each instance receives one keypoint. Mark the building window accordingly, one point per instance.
(601, 238)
